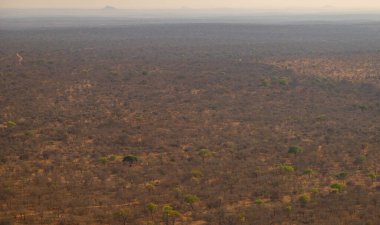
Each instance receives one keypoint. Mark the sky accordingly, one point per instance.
(168, 4)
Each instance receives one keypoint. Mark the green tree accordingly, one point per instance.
(337, 187)
(373, 176)
(191, 199)
(130, 159)
(169, 214)
(204, 153)
(308, 172)
(152, 208)
(304, 199)
(123, 215)
(295, 149)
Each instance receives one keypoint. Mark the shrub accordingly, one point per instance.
(29, 133)
(341, 175)
(191, 199)
(242, 218)
(283, 81)
(337, 187)
(11, 124)
(304, 199)
(114, 72)
(103, 160)
(112, 157)
(360, 159)
(365, 145)
(295, 149)
(196, 173)
(372, 176)
(363, 107)
(149, 186)
(265, 82)
(139, 117)
(287, 168)
(322, 118)
(259, 201)
(308, 171)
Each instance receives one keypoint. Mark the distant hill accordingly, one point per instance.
(329, 8)
(109, 8)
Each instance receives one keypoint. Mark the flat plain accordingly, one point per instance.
(230, 123)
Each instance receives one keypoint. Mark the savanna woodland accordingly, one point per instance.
(190, 123)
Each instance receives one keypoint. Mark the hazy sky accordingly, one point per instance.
(267, 4)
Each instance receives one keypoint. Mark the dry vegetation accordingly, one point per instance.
(221, 136)
(353, 67)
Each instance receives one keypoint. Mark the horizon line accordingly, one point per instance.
(327, 8)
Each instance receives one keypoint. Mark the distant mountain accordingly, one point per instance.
(328, 8)
(109, 8)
